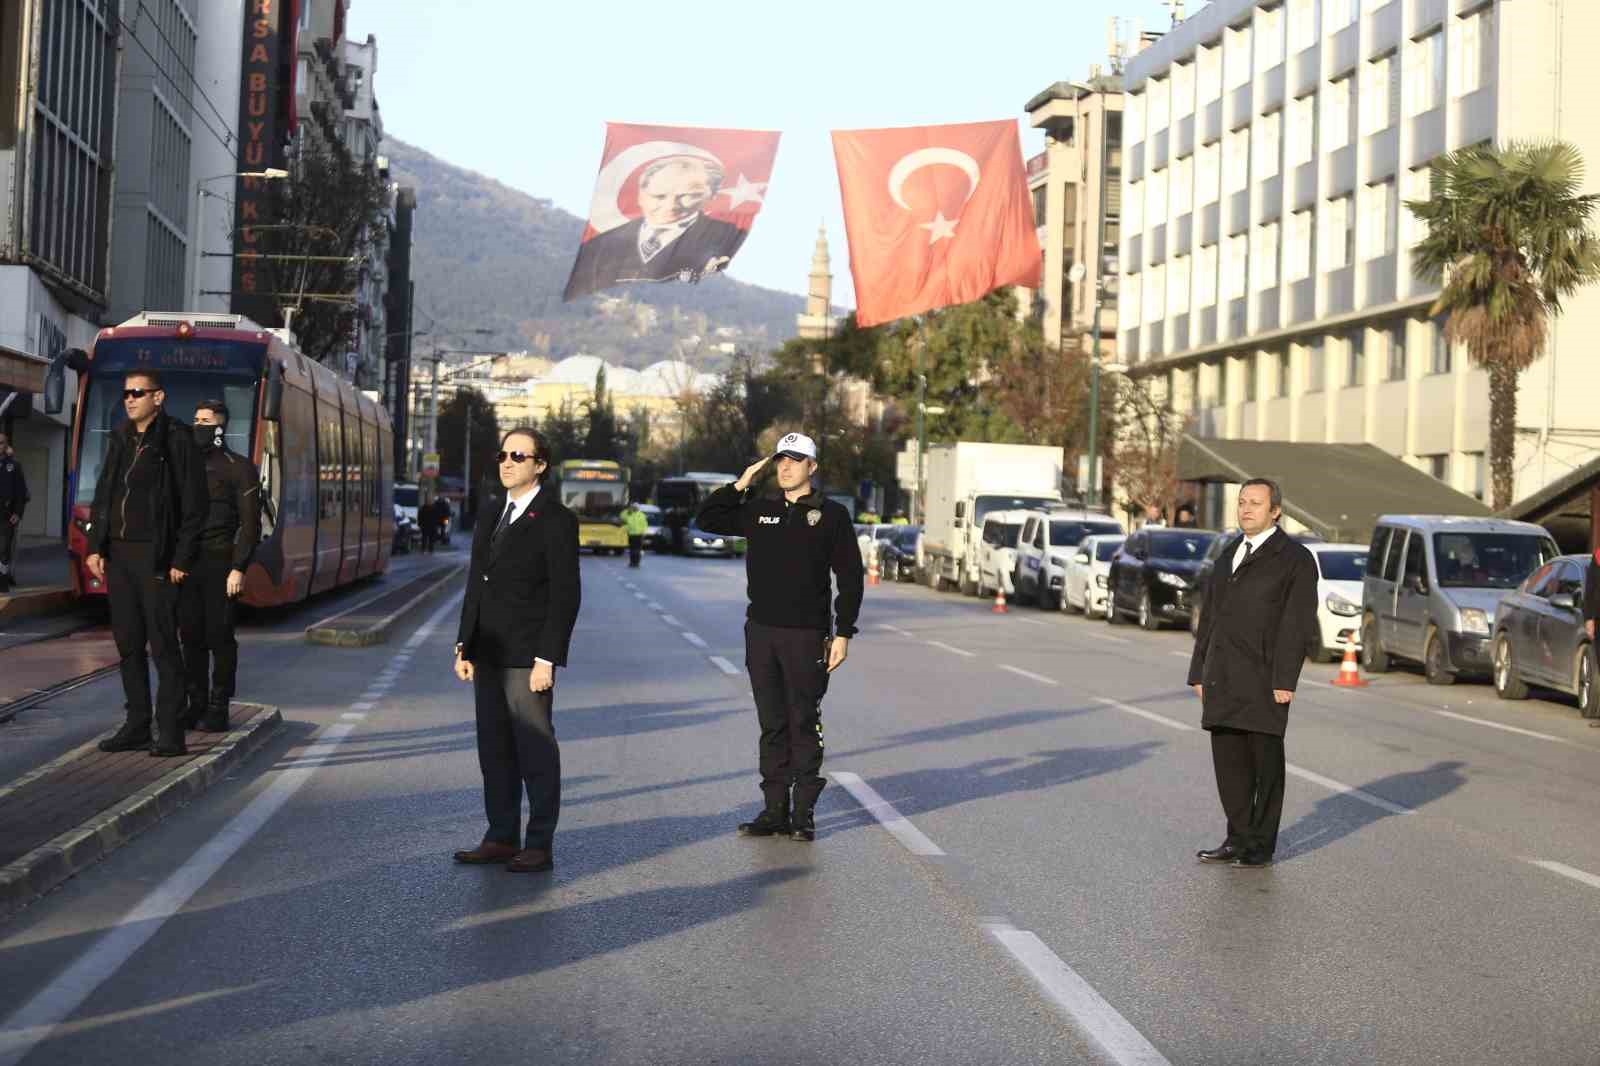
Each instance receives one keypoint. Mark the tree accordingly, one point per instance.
(603, 436)
(322, 222)
(472, 404)
(1509, 233)
(564, 431)
(1144, 457)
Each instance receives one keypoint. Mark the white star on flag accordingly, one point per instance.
(744, 191)
(940, 228)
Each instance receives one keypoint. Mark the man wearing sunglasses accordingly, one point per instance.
(792, 640)
(144, 537)
(522, 601)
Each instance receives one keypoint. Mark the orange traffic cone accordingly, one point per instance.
(1349, 671)
(872, 570)
(999, 600)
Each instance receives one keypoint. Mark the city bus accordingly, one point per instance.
(596, 490)
(324, 449)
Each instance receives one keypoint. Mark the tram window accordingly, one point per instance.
(271, 479)
(299, 485)
(374, 497)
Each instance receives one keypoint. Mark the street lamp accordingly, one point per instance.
(200, 194)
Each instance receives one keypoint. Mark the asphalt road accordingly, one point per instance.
(1005, 875)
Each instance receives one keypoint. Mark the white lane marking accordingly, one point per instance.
(1128, 708)
(1030, 621)
(1029, 674)
(894, 629)
(354, 715)
(375, 693)
(654, 606)
(640, 596)
(942, 646)
(1107, 637)
(32, 1023)
(1503, 727)
(1097, 1019)
(363, 705)
(1581, 876)
(670, 620)
(891, 819)
(1349, 790)
(694, 639)
(1183, 654)
(630, 586)
(725, 666)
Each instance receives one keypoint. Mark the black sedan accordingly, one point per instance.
(1153, 574)
(897, 554)
(1197, 594)
(1540, 639)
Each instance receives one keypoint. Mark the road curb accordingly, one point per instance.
(51, 863)
(36, 603)
(325, 632)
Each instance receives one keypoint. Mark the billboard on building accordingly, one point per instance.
(671, 203)
(266, 94)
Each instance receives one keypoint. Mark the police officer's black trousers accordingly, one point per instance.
(789, 676)
(144, 610)
(205, 622)
(635, 550)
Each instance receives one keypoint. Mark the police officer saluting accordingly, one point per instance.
(144, 535)
(793, 641)
(228, 539)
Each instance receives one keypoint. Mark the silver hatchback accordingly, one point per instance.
(1540, 639)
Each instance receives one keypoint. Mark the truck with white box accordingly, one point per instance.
(965, 481)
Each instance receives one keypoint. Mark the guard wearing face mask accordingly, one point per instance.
(206, 608)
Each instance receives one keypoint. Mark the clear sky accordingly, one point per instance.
(520, 90)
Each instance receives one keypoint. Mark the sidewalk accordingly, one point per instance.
(44, 582)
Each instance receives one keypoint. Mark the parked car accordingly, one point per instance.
(997, 551)
(1208, 565)
(657, 537)
(1089, 574)
(1153, 572)
(1044, 546)
(1339, 571)
(1540, 639)
(697, 541)
(897, 555)
(1432, 587)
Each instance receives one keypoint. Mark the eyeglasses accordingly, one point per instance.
(515, 457)
(138, 394)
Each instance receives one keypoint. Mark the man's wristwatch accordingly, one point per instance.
(460, 647)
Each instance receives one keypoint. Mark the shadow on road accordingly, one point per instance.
(1340, 815)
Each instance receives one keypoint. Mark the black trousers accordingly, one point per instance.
(8, 542)
(205, 624)
(788, 676)
(429, 535)
(517, 752)
(144, 611)
(635, 549)
(1250, 776)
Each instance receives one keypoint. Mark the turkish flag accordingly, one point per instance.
(671, 203)
(935, 215)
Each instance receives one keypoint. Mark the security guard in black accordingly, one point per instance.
(13, 501)
(227, 541)
(799, 544)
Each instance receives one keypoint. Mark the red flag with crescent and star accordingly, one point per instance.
(671, 203)
(935, 215)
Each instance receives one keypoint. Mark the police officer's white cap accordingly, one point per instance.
(797, 444)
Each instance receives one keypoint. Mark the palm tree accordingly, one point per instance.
(1508, 231)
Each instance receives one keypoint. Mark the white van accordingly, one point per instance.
(1046, 544)
(997, 551)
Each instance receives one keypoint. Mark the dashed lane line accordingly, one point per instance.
(1503, 727)
(892, 820)
(952, 649)
(724, 665)
(1029, 621)
(1029, 674)
(694, 638)
(1583, 877)
(1128, 708)
(1107, 637)
(671, 620)
(1348, 790)
(894, 629)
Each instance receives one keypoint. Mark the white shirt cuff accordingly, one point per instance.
(545, 662)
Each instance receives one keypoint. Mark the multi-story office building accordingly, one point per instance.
(1268, 282)
(363, 136)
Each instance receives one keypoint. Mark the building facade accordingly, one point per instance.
(1267, 271)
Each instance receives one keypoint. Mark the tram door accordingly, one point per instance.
(330, 491)
(350, 482)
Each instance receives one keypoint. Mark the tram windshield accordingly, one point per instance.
(191, 371)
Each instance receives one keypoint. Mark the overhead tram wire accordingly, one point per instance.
(156, 23)
(198, 117)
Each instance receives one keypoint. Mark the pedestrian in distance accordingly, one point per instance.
(522, 601)
(1261, 612)
(799, 544)
(144, 540)
(13, 501)
(636, 525)
(206, 600)
(428, 523)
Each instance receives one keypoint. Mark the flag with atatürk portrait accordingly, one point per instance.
(935, 215)
(672, 203)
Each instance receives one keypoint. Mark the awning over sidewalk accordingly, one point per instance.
(21, 371)
(1568, 507)
(1335, 490)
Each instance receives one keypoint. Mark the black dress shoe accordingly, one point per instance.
(126, 739)
(1252, 861)
(1223, 853)
(802, 827)
(167, 751)
(770, 822)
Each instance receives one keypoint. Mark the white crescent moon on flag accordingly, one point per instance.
(912, 162)
(604, 214)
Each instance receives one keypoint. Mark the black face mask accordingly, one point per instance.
(209, 436)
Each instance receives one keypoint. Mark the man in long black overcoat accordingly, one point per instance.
(1261, 613)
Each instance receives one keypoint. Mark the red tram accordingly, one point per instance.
(324, 449)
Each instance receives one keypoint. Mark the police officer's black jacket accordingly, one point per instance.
(233, 516)
(13, 487)
(523, 590)
(152, 484)
(792, 546)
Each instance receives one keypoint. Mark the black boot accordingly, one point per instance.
(129, 738)
(802, 825)
(194, 709)
(774, 821)
(216, 716)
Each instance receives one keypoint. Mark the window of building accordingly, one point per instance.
(1041, 197)
(1333, 244)
(1155, 293)
(1471, 55)
(1418, 186)
(1207, 173)
(1302, 129)
(1182, 191)
(1285, 368)
(1424, 74)
(1437, 465)
(1178, 282)
(1219, 376)
(1375, 214)
(1397, 353)
(1340, 13)
(1236, 56)
(1269, 39)
(1442, 356)
(1316, 367)
(1302, 24)
(1208, 75)
(1355, 359)
(1264, 257)
(1182, 90)
(1205, 270)
(1375, 96)
(1269, 135)
(1235, 251)
(1236, 160)
(1297, 247)
(1250, 370)
(1336, 115)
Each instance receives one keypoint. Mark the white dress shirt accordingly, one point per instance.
(517, 507)
(1255, 542)
(664, 235)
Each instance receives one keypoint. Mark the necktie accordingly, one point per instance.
(651, 245)
(505, 520)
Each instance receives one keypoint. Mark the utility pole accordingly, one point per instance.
(1093, 495)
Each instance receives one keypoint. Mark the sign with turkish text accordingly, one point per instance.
(265, 98)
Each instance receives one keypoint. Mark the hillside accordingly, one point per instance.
(487, 255)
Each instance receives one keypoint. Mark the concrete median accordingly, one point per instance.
(371, 622)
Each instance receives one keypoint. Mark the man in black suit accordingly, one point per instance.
(516, 623)
(1261, 613)
(673, 240)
